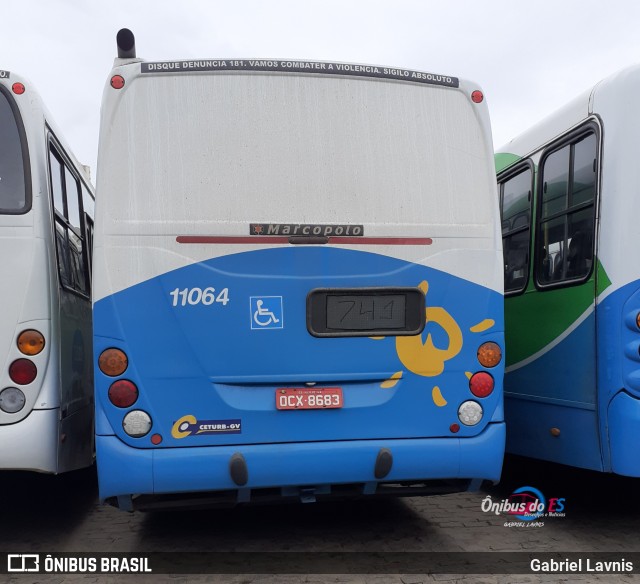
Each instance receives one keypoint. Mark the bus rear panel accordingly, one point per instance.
(297, 284)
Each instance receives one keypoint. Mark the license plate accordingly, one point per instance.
(309, 398)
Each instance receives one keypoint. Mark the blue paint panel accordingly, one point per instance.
(616, 370)
(529, 425)
(612, 336)
(565, 372)
(624, 427)
(206, 360)
(557, 390)
(598, 414)
(282, 465)
(123, 470)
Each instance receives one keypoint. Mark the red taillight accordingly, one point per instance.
(123, 393)
(22, 371)
(117, 82)
(156, 439)
(481, 384)
(18, 88)
(477, 96)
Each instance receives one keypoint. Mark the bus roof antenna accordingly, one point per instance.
(126, 44)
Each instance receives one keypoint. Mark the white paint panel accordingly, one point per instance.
(615, 101)
(207, 154)
(475, 260)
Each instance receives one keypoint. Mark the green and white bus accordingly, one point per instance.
(569, 200)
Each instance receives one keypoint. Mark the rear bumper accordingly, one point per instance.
(31, 444)
(124, 471)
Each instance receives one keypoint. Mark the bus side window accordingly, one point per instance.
(566, 220)
(515, 205)
(62, 244)
(76, 249)
(72, 192)
(57, 188)
(88, 206)
(66, 193)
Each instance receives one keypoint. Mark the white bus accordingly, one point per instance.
(297, 283)
(46, 210)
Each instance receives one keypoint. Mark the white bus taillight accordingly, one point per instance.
(12, 400)
(22, 371)
(30, 342)
(470, 413)
(123, 393)
(137, 423)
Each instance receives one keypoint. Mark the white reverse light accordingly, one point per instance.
(11, 400)
(470, 413)
(137, 423)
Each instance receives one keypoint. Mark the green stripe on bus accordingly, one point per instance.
(535, 319)
(504, 159)
(602, 280)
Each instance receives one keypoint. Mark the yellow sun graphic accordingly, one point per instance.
(424, 358)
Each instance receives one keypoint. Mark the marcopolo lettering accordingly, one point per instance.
(4, 74)
(290, 229)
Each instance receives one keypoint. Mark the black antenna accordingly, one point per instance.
(126, 44)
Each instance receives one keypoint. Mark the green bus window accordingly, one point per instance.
(515, 205)
(567, 216)
(556, 180)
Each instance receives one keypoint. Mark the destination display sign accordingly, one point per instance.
(353, 312)
(325, 68)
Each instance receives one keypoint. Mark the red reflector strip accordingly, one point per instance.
(270, 239)
(382, 240)
(229, 240)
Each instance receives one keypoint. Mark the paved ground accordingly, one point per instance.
(61, 514)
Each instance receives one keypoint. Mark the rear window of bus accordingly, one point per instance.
(14, 197)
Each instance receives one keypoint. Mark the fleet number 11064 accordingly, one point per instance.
(194, 296)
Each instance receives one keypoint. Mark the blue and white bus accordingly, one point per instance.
(569, 198)
(297, 283)
(46, 226)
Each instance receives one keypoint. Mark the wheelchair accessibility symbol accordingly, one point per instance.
(266, 312)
